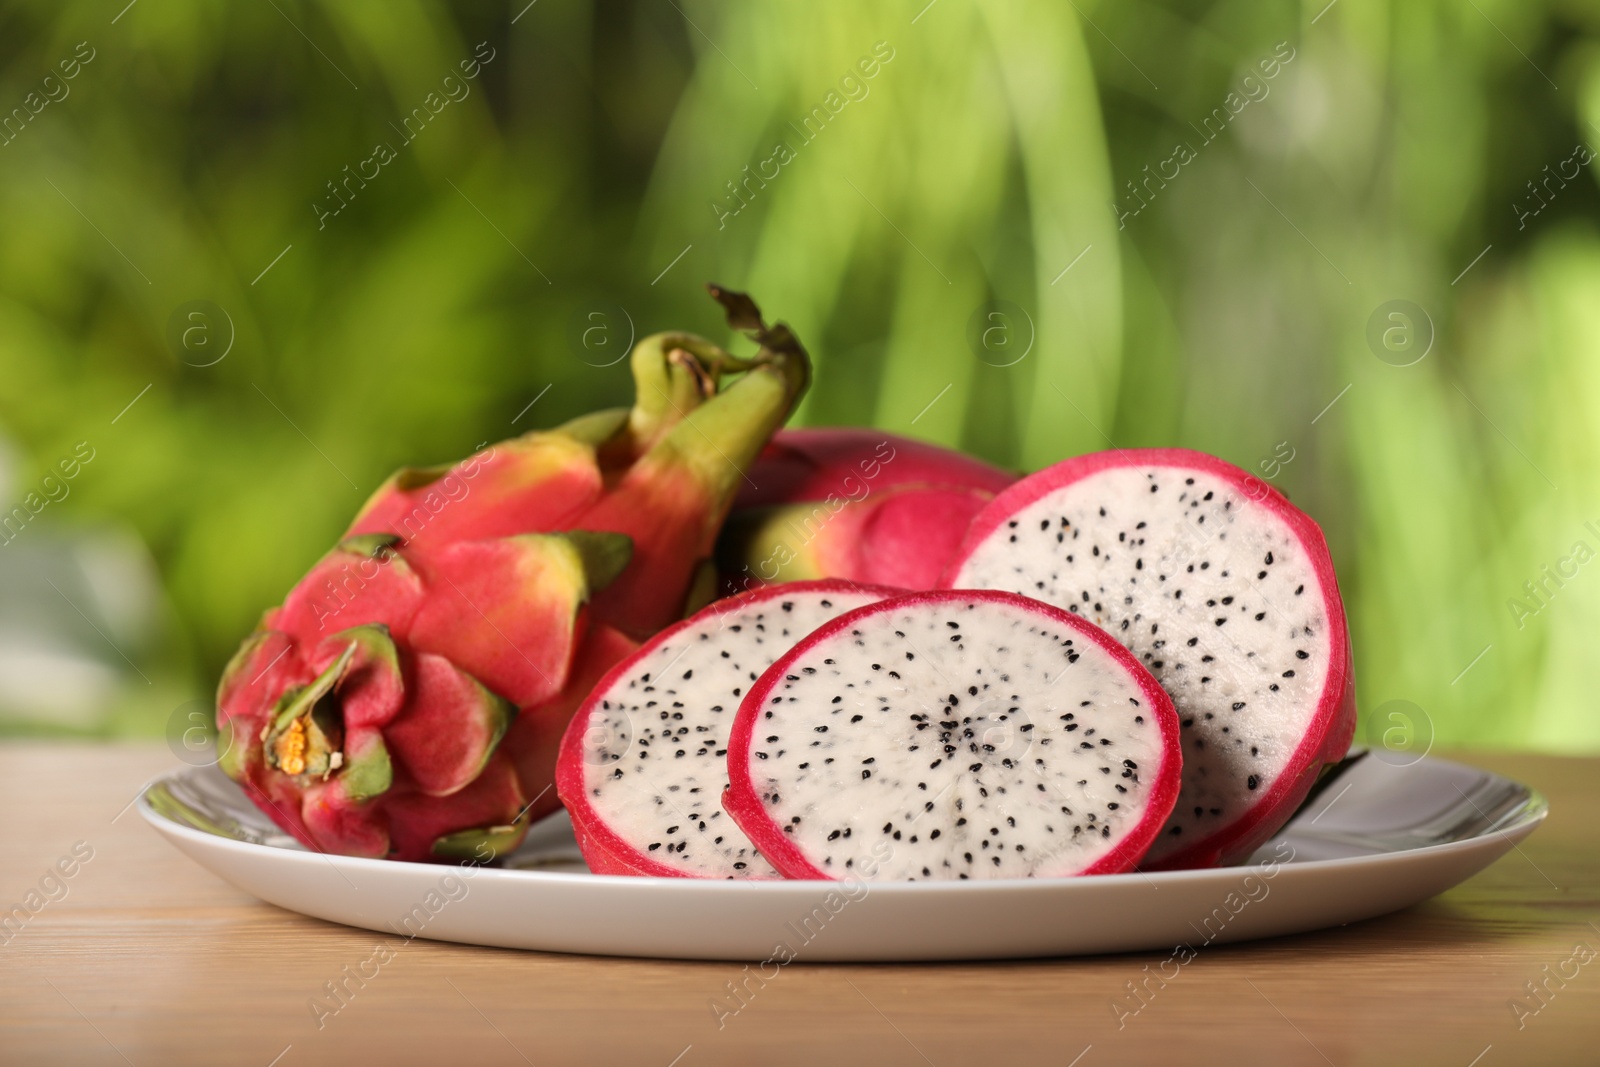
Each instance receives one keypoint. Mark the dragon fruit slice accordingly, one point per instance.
(953, 735)
(1224, 590)
(857, 504)
(408, 697)
(644, 762)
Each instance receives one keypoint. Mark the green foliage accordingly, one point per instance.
(599, 159)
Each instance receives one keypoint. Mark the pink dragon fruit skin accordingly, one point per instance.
(355, 734)
(856, 504)
(408, 697)
(663, 474)
(1193, 604)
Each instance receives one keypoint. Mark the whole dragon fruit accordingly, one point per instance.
(408, 697)
(953, 735)
(644, 762)
(855, 504)
(1224, 590)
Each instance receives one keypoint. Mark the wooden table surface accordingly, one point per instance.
(146, 958)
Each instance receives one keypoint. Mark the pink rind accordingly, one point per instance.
(743, 802)
(604, 850)
(812, 463)
(1333, 724)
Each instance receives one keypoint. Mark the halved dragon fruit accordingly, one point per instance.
(950, 735)
(1224, 590)
(643, 763)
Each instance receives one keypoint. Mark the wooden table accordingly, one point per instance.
(149, 959)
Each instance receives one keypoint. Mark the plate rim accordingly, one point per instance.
(1534, 810)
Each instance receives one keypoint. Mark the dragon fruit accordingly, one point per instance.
(1224, 590)
(950, 735)
(855, 504)
(644, 762)
(408, 697)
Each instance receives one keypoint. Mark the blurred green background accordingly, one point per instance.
(1192, 219)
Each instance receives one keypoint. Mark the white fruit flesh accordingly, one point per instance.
(655, 750)
(968, 739)
(1210, 590)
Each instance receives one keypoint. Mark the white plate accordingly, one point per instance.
(1388, 832)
